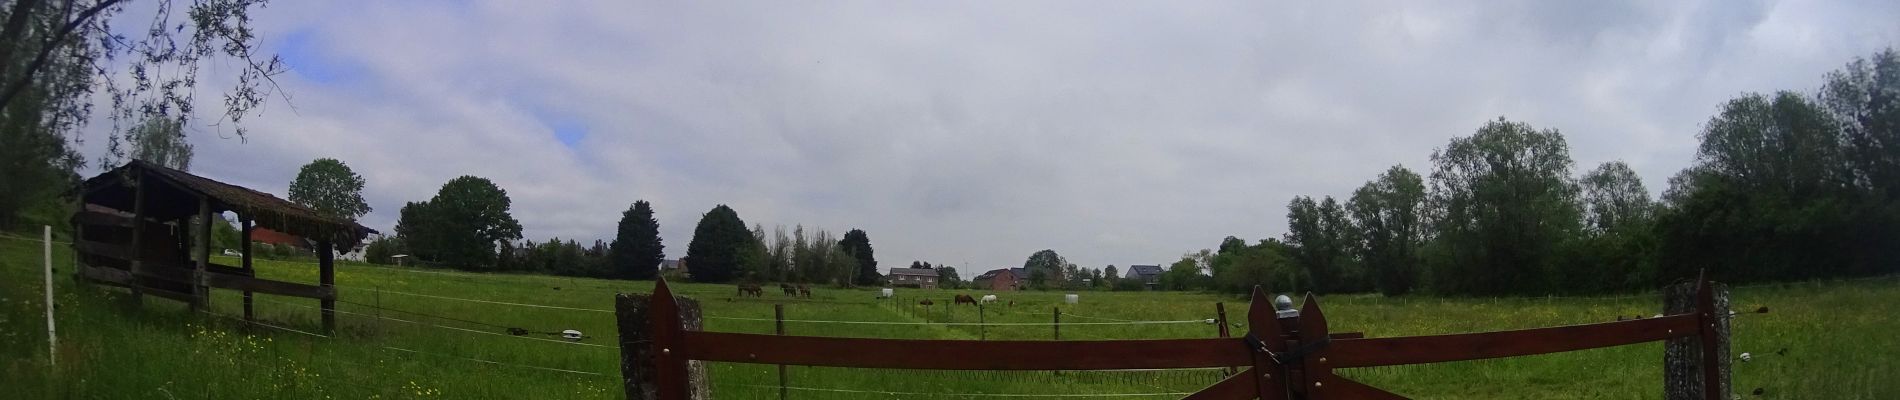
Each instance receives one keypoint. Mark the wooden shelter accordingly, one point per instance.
(133, 230)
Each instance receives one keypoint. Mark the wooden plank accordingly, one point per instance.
(326, 276)
(101, 249)
(244, 239)
(1352, 353)
(1235, 387)
(95, 218)
(1317, 369)
(280, 288)
(202, 236)
(1263, 324)
(670, 351)
(106, 275)
(957, 354)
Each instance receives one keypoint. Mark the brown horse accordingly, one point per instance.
(750, 290)
(788, 288)
(804, 291)
(964, 298)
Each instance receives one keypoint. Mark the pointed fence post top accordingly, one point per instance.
(1259, 309)
(1310, 314)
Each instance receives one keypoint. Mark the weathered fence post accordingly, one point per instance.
(1058, 322)
(778, 312)
(1220, 318)
(1697, 367)
(639, 370)
(982, 328)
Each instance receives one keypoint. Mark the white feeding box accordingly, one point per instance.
(886, 293)
(1071, 298)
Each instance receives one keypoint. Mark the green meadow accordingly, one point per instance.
(399, 337)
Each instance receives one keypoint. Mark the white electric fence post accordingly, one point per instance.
(52, 338)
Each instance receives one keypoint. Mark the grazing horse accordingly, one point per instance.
(788, 288)
(750, 289)
(964, 298)
(804, 291)
(988, 298)
(926, 302)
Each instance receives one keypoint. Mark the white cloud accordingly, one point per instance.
(980, 132)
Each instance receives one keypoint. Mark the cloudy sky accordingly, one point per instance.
(975, 133)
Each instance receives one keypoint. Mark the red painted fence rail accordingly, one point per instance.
(1284, 358)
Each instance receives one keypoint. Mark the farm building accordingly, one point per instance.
(913, 277)
(1147, 274)
(135, 230)
(1002, 279)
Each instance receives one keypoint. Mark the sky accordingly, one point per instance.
(976, 133)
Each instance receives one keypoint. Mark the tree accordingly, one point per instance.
(159, 141)
(947, 278)
(330, 187)
(1048, 262)
(72, 46)
(1773, 195)
(713, 255)
(1387, 215)
(382, 249)
(1186, 274)
(1618, 252)
(1504, 209)
(461, 226)
(37, 156)
(637, 250)
(1323, 240)
(1864, 99)
(1110, 275)
(858, 244)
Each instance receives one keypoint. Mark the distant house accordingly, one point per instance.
(1002, 279)
(1147, 274)
(913, 277)
(668, 265)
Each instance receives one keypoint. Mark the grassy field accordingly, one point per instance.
(1838, 339)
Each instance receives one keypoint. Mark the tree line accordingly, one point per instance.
(1784, 186)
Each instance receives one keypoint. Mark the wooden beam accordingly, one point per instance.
(1352, 353)
(101, 249)
(955, 354)
(326, 276)
(244, 236)
(95, 218)
(138, 233)
(203, 236)
(280, 288)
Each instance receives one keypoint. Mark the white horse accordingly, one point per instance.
(988, 298)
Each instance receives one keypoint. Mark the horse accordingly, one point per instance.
(988, 298)
(804, 291)
(964, 298)
(788, 288)
(752, 290)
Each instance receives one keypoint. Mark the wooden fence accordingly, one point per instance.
(1281, 358)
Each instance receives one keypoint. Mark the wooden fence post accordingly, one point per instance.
(326, 277)
(1058, 322)
(778, 312)
(1697, 367)
(982, 328)
(638, 367)
(1220, 317)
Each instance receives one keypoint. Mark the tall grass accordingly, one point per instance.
(1838, 339)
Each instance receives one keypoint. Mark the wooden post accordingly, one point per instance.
(200, 292)
(1697, 367)
(1264, 327)
(1316, 372)
(244, 235)
(52, 335)
(778, 312)
(138, 233)
(982, 329)
(1220, 317)
(326, 277)
(646, 372)
(1057, 325)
